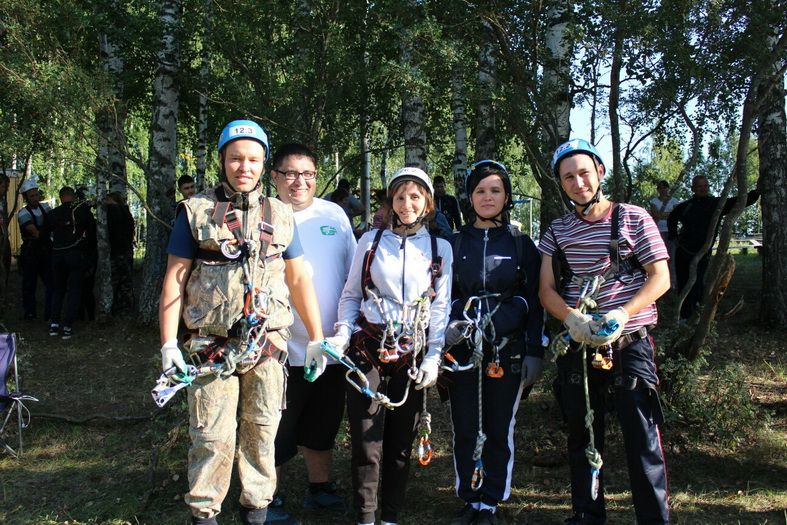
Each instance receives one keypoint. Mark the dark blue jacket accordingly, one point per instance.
(487, 261)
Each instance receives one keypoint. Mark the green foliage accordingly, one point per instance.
(710, 403)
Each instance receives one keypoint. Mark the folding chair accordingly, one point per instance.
(11, 402)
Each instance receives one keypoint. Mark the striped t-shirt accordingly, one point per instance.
(586, 246)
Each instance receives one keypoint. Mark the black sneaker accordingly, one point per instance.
(485, 517)
(580, 519)
(466, 516)
(67, 333)
(326, 498)
(54, 330)
(277, 515)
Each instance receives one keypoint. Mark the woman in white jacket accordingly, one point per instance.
(392, 318)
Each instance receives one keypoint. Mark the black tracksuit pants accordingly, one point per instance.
(68, 268)
(382, 439)
(500, 399)
(636, 402)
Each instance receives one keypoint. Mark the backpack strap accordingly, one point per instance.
(366, 269)
(436, 266)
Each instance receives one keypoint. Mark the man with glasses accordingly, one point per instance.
(314, 410)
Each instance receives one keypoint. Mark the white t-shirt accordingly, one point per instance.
(656, 203)
(328, 248)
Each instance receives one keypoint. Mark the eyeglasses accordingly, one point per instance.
(293, 175)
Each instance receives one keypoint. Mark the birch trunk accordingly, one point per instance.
(110, 170)
(163, 159)
(412, 117)
(772, 135)
(557, 72)
(460, 138)
(201, 153)
(487, 82)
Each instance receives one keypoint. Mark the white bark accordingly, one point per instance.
(202, 116)
(772, 135)
(412, 116)
(460, 136)
(163, 158)
(486, 142)
(557, 70)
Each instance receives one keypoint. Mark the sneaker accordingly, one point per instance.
(326, 499)
(485, 517)
(54, 330)
(277, 515)
(203, 521)
(67, 333)
(466, 516)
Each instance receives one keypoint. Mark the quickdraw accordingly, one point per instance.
(358, 380)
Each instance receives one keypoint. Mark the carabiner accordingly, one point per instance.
(478, 476)
(595, 483)
(425, 452)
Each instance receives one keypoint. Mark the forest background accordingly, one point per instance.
(127, 96)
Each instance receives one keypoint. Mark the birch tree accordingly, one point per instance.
(163, 158)
(412, 112)
(485, 129)
(772, 137)
(460, 137)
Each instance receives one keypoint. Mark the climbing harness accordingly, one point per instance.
(213, 354)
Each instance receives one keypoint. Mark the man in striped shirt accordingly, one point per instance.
(633, 273)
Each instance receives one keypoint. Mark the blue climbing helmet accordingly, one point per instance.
(572, 147)
(244, 129)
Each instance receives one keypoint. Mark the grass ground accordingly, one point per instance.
(106, 471)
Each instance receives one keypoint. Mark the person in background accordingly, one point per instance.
(234, 263)
(392, 317)
(447, 204)
(314, 409)
(35, 258)
(120, 224)
(660, 207)
(604, 266)
(694, 217)
(186, 186)
(71, 224)
(351, 205)
(496, 270)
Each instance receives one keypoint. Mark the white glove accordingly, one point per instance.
(171, 356)
(532, 370)
(455, 332)
(610, 324)
(427, 372)
(578, 325)
(340, 340)
(315, 359)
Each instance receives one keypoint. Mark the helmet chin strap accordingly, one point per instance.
(397, 222)
(588, 206)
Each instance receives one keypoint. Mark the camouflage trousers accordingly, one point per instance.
(215, 405)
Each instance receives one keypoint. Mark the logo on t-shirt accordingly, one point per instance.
(328, 230)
